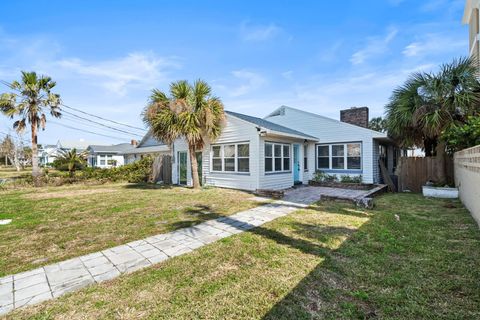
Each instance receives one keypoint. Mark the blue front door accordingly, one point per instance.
(296, 163)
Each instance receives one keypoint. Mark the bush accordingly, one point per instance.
(321, 176)
(350, 179)
(459, 137)
(63, 166)
(135, 172)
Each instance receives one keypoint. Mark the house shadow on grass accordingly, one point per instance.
(327, 282)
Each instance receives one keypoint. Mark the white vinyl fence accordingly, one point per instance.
(467, 179)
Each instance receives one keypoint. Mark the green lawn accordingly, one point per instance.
(331, 261)
(10, 172)
(55, 223)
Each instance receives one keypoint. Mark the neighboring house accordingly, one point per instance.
(48, 153)
(286, 148)
(109, 156)
(148, 146)
(102, 156)
(471, 17)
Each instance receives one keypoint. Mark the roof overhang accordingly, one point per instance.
(273, 133)
(387, 140)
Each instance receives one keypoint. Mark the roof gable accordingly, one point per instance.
(283, 111)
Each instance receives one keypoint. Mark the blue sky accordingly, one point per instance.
(320, 56)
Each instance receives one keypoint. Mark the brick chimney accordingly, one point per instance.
(134, 142)
(357, 116)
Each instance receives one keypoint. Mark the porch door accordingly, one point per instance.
(296, 164)
(182, 167)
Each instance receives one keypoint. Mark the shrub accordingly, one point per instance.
(459, 137)
(321, 176)
(350, 179)
(138, 171)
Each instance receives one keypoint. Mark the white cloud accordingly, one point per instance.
(375, 46)
(251, 81)
(287, 74)
(434, 44)
(258, 33)
(117, 75)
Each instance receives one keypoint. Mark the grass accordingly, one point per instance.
(10, 172)
(331, 261)
(55, 223)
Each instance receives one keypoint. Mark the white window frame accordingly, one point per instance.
(345, 156)
(282, 157)
(222, 157)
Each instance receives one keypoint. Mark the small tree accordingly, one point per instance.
(378, 124)
(30, 98)
(12, 149)
(72, 159)
(190, 112)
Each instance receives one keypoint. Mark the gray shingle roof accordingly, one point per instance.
(269, 125)
(116, 148)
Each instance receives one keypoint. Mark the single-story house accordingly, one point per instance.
(104, 156)
(286, 148)
(108, 156)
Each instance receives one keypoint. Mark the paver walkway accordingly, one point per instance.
(54, 280)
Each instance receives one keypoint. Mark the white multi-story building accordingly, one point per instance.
(471, 17)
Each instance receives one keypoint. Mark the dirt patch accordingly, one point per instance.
(67, 193)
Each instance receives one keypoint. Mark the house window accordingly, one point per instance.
(353, 156)
(305, 158)
(344, 156)
(110, 160)
(231, 158)
(323, 157)
(268, 157)
(277, 157)
(286, 157)
(217, 158)
(338, 156)
(102, 160)
(243, 158)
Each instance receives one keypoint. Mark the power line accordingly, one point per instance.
(89, 114)
(104, 119)
(79, 122)
(87, 131)
(103, 125)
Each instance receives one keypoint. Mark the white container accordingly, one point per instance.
(440, 192)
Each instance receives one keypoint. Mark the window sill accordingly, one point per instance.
(277, 172)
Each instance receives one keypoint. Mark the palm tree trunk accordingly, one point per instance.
(194, 165)
(441, 156)
(35, 168)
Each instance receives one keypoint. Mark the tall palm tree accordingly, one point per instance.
(32, 97)
(72, 159)
(429, 103)
(188, 111)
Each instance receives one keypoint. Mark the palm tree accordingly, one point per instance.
(32, 96)
(188, 111)
(72, 159)
(429, 103)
